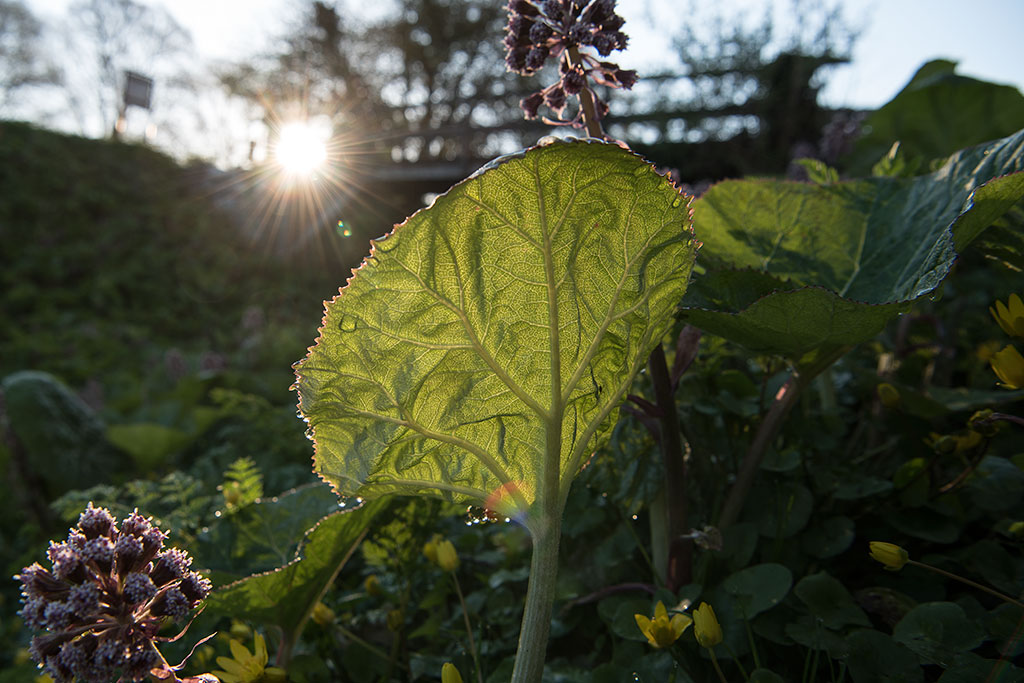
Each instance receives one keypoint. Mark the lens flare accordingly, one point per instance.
(301, 148)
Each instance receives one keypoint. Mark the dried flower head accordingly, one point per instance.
(537, 31)
(107, 594)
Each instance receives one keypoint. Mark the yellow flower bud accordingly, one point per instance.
(889, 554)
(322, 614)
(430, 548)
(372, 586)
(274, 674)
(888, 395)
(447, 558)
(982, 423)
(1010, 316)
(1016, 529)
(395, 620)
(661, 631)
(706, 626)
(1008, 365)
(449, 674)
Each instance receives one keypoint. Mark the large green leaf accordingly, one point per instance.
(937, 113)
(285, 596)
(937, 632)
(806, 271)
(60, 439)
(496, 331)
(263, 535)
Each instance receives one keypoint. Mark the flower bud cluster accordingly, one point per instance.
(109, 590)
(540, 29)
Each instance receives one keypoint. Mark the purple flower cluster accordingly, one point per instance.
(539, 29)
(105, 597)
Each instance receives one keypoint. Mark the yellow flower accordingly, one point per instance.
(889, 554)
(449, 674)
(1008, 365)
(1010, 317)
(662, 631)
(322, 614)
(706, 626)
(249, 667)
(430, 548)
(447, 558)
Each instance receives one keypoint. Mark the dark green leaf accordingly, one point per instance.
(263, 536)
(513, 311)
(758, 588)
(874, 657)
(1003, 625)
(937, 113)
(781, 461)
(781, 509)
(807, 271)
(738, 544)
(997, 484)
(285, 596)
(937, 632)
(829, 537)
(61, 438)
(618, 612)
(863, 486)
(765, 676)
(995, 564)
(927, 523)
(968, 667)
(811, 633)
(829, 601)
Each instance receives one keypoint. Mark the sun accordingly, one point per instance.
(301, 148)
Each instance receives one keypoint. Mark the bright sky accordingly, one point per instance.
(985, 36)
(897, 36)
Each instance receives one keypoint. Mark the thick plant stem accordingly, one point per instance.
(540, 594)
(766, 433)
(590, 120)
(678, 571)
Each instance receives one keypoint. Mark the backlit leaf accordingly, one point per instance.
(499, 326)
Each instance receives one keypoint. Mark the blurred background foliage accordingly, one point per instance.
(150, 309)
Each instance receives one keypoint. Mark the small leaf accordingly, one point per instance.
(829, 538)
(937, 631)
(765, 676)
(829, 601)
(856, 487)
(758, 588)
(491, 337)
